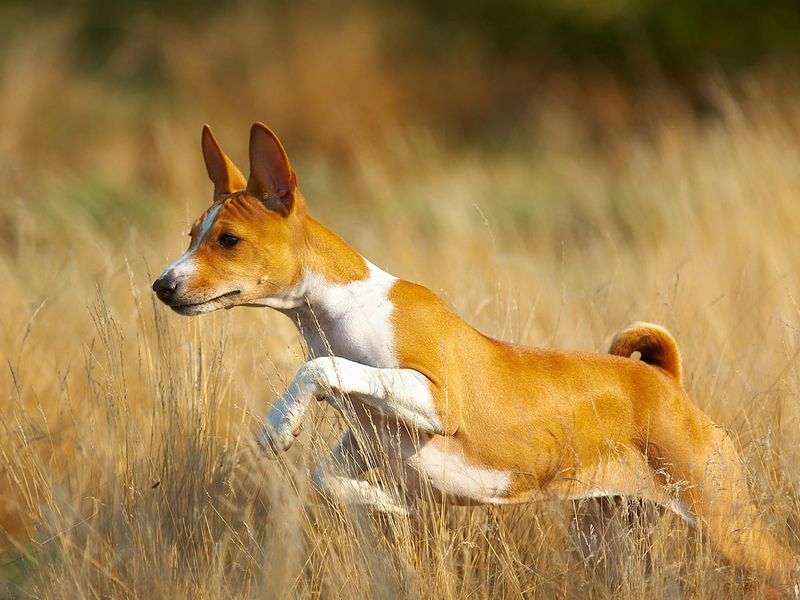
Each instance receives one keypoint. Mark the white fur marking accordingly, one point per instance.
(185, 266)
(336, 475)
(402, 394)
(450, 473)
(285, 417)
(355, 318)
(358, 492)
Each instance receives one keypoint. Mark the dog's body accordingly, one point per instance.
(445, 407)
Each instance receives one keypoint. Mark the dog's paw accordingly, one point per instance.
(275, 441)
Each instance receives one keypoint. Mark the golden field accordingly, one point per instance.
(128, 467)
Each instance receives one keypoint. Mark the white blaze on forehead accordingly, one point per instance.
(206, 225)
(185, 266)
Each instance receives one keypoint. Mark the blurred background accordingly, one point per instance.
(553, 169)
(328, 73)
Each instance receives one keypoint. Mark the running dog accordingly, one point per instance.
(476, 419)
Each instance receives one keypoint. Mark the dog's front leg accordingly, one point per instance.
(284, 420)
(337, 476)
(402, 394)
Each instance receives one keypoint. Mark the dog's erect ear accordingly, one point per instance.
(221, 170)
(271, 177)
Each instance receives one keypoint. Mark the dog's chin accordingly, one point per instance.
(190, 309)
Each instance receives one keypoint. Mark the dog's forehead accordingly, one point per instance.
(238, 206)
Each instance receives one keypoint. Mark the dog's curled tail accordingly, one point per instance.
(655, 344)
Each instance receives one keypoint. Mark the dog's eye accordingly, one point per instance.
(227, 240)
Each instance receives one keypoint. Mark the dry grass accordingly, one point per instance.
(127, 465)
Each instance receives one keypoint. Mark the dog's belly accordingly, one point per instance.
(441, 463)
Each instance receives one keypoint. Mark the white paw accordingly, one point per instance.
(284, 420)
(394, 507)
(274, 441)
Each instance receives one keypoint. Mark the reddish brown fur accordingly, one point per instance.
(656, 346)
(267, 257)
(567, 423)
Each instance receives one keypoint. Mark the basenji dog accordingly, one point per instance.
(475, 419)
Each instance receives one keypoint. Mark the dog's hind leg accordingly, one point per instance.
(611, 535)
(733, 523)
(717, 493)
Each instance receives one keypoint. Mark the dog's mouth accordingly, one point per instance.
(192, 308)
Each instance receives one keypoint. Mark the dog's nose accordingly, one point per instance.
(165, 287)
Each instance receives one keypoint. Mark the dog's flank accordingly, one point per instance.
(432, 399)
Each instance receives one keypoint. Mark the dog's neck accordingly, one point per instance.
(340, 303)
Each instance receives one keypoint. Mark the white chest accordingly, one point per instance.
(352, 321)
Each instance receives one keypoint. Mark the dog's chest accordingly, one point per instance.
(352, 321)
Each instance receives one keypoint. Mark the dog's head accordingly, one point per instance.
(246, 248)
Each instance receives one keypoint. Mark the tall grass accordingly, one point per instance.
(128, 466)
